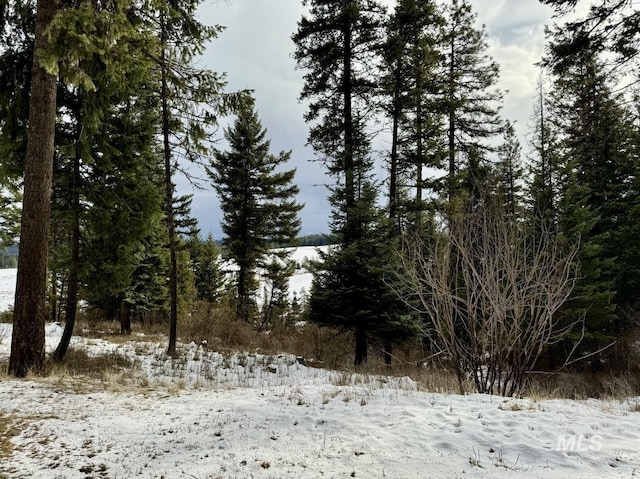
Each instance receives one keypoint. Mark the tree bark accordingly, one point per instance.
(125, 317)
(452, 123)
(72, 289)
(173, 267)
(361, 344)
(388, 351)
(27, 344)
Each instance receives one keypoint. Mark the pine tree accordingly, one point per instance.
(123, 227)
(338, 43)
(77, 39)
(275, 276)
(510, 174)
(210, 280)
(597, 171)
(470, 96)
(543, 187)
(257, 200)
(191, 101)
(410, 64)
(611, 26)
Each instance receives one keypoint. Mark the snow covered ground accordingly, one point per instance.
(210, 415)
(245, 415)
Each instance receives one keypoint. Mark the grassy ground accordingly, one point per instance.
(322, 347)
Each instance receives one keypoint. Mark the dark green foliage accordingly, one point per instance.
(122, 232)
(544, 173)
(210, 280)
(510, 175)
(8, 260)
(9, 215)
(275, 305)
(337, 43)
(611, 26)
(410, 82)
(16, 58)
(191, 99)
(471, 100)
(598, 167)
(348, 283)
(257, 200)
(313, 240)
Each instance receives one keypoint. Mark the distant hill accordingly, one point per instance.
(9, 258)
(319, 239)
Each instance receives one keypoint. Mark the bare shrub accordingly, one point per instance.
(217, 325)
(491, 289)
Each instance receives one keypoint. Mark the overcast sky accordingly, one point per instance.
(255, 51)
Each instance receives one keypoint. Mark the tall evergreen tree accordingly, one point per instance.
(411, 56)
(338, 43)
(543, 186)
(470, 95)
(510, 174)
(257, 200)
(191, 99)
(123, 227)
(106, 134)
(598, 168)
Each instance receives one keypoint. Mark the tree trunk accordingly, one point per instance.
(393, 168)
(173, 268)
(54, 299)
(419, 162)
(27, 344)
(125, 318)
(349, 164)
(388, 351)
(242, 308)
(361, 344)
(452, 123)
(72, 288)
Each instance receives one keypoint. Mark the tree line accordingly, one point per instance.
(129, 110)
(419, 251)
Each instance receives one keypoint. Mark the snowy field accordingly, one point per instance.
(236, 416)
(207, 415)
(7, 287)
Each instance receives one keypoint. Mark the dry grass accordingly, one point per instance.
(9, 427)
(600, 385)
(329, 348)
(81, 373)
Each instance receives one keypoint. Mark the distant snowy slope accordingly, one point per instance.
(7, 287)
(299, 283)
